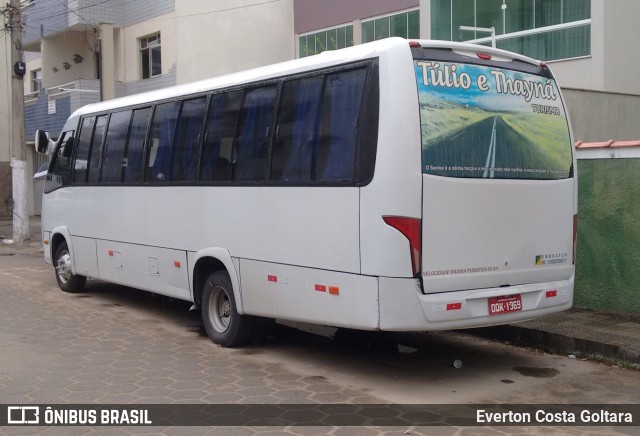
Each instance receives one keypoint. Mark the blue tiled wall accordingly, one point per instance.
(44, 18)
(36, 116)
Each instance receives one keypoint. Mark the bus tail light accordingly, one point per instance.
(484, 56)
(575, 236)
(414, 44)
(411, 228)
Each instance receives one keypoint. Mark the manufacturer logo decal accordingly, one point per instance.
(551, 259)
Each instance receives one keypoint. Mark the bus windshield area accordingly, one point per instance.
(481, 121)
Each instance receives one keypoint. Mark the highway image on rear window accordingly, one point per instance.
(488, 122)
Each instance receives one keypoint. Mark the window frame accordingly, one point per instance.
(105, 147)
(147, 52)
(325, 29)
(153, 105)
(389, 16)
(76, 145)
(544, 30)
(271, 83)
(36, 80)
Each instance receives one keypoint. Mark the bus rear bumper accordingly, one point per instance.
(403, 306)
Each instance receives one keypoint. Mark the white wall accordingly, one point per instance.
(129, 69)
(600, 116)
(621, 61)
(225, 36)
(59, 49)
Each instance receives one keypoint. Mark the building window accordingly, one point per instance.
(36, 80)
(542, 29)
(404, 25)
(330, 39)
(150, 56)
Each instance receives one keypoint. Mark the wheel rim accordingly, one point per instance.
(63, 267)
(219, 309)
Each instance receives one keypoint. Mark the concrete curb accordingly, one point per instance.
(558, 343)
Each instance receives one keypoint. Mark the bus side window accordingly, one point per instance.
(133, 164)
(163, 129)
(113, 155)
(95, 156)
(58, 175)
(338, 131)
(222, 123)
(81, 164)
(296, 129)
(185, 148)
(252, 143)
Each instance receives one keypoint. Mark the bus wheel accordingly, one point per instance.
(67, 281)
(224, 325)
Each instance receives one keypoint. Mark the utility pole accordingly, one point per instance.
(18, 145)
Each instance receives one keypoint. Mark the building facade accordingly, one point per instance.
(589, 44)
(83, 51)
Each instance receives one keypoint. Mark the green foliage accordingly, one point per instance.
(608, 253)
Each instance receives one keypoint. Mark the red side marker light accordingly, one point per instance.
(551, 294)
(320, 288)
(272, 278)
(484, 56)
(176, 263)
(454, 306)
(110, 252)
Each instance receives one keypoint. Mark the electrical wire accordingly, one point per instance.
(75, 11)
(216, 11)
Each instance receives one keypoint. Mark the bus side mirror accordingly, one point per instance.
(42, 141)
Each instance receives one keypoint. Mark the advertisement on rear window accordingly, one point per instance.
(488, 122)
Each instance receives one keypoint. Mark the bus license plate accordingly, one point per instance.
(505, 304)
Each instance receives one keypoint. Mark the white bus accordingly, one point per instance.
(396, 185)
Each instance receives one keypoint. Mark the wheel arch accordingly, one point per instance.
(58, 236)
(210, 260)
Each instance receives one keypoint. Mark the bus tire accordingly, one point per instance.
(224, 325)
(67, 281)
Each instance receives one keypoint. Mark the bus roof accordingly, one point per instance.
(322, 60)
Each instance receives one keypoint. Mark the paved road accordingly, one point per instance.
(112, 344)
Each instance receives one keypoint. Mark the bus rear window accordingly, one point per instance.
(488, 122)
